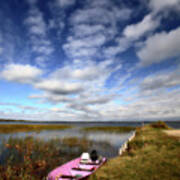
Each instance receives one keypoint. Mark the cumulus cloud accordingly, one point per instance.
(135, 31)
(78, 85)
(160, 47)
(132, 33)
(20, 73)
(48, 97)
(59, 87)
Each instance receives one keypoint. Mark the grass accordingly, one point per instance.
(115, 129)
(151, 155)
(13, 128)
(33, 159)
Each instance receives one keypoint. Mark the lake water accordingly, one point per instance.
(107, 144)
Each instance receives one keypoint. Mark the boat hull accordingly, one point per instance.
(75, 170)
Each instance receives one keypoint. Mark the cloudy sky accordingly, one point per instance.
(90, 60)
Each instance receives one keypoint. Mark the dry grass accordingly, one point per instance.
(152, 155)
(12, 128)
(115, 129)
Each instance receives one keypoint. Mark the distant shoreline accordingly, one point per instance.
(96, 122)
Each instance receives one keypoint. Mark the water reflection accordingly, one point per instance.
(106, 143)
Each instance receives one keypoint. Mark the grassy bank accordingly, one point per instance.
(115, 129)
(33, 159)
(151, 155)
(12, 128)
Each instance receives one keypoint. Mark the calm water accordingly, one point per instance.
(106, 143)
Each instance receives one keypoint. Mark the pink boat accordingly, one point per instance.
(75, 170)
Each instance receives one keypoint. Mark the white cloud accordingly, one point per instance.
(135, 31)
(51, 98)
(85, 81)
(86, 71)
(84, 46)
(158, 5)
(93, 26)
(35, 22)
(59, 87)
(132, 33)
(161, 81)
(20, 73)
(86, 30)
(160, 47)
(87, 42)
(122, 44)
(37, 28)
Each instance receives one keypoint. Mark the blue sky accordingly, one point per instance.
(90, 60)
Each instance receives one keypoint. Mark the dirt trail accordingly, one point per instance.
(175, 133)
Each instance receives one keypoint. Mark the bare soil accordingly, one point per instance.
(175, 133)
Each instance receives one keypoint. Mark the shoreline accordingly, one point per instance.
(152, 154)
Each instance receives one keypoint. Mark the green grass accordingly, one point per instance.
(115, 129)
(151, 155)
(12, 128)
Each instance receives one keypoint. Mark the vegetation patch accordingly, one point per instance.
(159, 125)
(115, 129)
(33, 159)
(12, 128)
(151, 155)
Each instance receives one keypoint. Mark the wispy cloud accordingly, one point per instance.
(92, 27)
(38, 32)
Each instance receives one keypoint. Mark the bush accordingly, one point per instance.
(159, 125)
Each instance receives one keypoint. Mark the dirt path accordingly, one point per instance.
(175, 133)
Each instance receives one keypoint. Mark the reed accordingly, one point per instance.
(33, 159)
(115, 129)
(12, 128)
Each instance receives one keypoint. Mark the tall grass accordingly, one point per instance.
(115, 129)
(11, 128)
(33, 159)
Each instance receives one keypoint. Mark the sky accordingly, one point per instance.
(90, 60)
